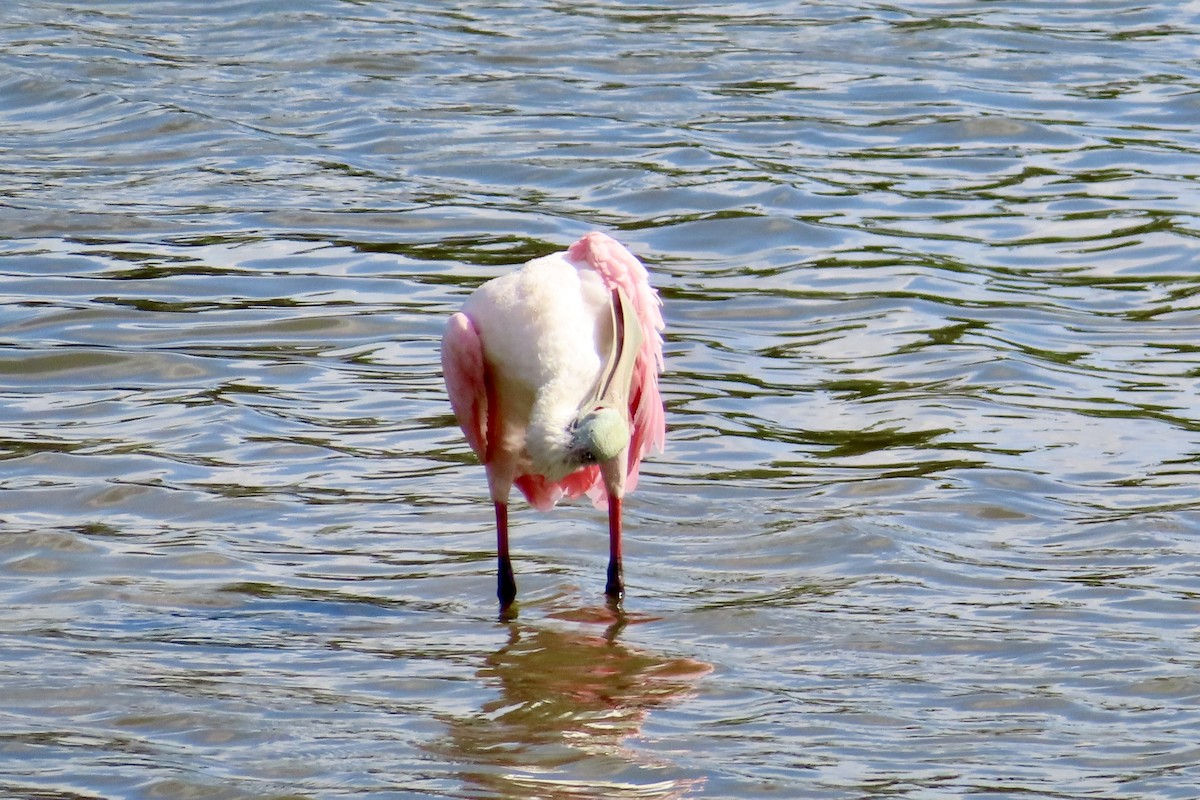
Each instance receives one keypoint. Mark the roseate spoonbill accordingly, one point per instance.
(552, 371)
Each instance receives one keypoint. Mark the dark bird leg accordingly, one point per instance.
(506, 584)
(615, 588)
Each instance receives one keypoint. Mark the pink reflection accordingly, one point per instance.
(568, 704)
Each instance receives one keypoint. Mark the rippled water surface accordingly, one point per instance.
(928, 522)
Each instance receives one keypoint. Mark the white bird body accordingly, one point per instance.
(552, 371)
(564, 307)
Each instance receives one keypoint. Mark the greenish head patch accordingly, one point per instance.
(602, 434)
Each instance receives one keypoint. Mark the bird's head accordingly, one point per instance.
(600, 435)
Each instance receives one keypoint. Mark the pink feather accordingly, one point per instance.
(620, 268)
(464, 371)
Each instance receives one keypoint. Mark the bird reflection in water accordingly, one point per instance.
(569, 702)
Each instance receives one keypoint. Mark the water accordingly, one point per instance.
(927, 526)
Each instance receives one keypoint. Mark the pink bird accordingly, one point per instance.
(552, 371)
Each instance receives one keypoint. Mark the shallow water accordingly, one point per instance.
(928, 522)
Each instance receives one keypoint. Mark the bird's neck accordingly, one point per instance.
(549, 440)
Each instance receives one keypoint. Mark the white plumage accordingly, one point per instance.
(564, 307)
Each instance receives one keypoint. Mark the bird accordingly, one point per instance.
(552, 371)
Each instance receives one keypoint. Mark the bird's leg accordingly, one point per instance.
(506, 584)
(613, 471)
(615, 588)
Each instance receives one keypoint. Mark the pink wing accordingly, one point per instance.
(620, 268)
(543, 494)
(462, 367)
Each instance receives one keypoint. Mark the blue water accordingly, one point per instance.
(927, 525)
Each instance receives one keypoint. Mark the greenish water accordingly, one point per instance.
(928, 523)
